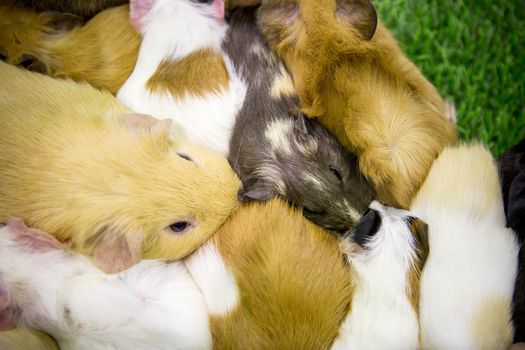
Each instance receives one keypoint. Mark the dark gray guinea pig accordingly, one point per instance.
(512, 173)
(275, 150)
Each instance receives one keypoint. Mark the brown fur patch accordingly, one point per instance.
(103, 52)
(294, 287)
(24, 339)
(419, 230)
(366, 92)
(493, 319)
(198, 73)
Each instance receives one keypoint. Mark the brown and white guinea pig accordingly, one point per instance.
(74, 160)
(101, 52)
(275, 150)
(386, 251)
(350, 74)
(181, 72)
(467, 282)
(272, 280)
(512, 172)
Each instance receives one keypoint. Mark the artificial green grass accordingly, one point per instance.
(473, 51)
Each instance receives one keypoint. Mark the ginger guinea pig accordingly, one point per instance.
(75, 164)
(351, 75)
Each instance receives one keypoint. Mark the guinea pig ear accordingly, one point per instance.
(116, 250)
(360, 15)
(146, 124)
(138, 9)
(62, 22)
(33, 239)
(259, 190)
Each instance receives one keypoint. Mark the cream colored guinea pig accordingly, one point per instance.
(74, 160)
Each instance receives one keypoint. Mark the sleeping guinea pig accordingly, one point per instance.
(81, 8)
(181, 72)
(276, 150)
(75, 163)
(350, 74)
(102, 52)
(386, 251)
(45, 287)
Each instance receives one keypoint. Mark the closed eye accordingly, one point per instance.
(336, 172)
(185, 156)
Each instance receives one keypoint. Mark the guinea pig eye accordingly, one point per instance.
(3, 57)
(336, 172)
(203, 1)
(180, 226)
(185, 156)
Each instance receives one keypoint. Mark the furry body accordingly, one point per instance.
(512, 170)
(153, 305)
(276, 150)
(102, 52)
(383, 255)
(74, 166)
(181, 72)
(23, 339)
(78, 7)
(468, 280)
(353, 77)
(272, 280)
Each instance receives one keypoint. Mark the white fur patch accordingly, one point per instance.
(279, 133)
(153, 305)
(282, 84)
(382, 316)
(214, 279)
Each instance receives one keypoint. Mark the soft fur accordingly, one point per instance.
(75, 164)
(468, 280)
(350, 74)
(276, 150)
(81, 8)
(272, 280)
(181, 72)
(102, 52)
(386, 251)
(153, 305)
(512, 170)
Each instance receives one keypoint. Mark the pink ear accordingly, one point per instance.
(218, 6)
(144, 123)
(115, 251)
(32, 238)
(6, 320)
(138, 9)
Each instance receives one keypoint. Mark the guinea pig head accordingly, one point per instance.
(306, 165)
(150, 198)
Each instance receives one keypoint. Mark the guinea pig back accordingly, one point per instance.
(76, 164)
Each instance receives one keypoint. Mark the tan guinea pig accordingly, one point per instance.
(73, 159)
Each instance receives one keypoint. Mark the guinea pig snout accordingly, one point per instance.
(365, 229)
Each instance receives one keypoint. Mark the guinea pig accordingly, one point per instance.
(272, 280)
(275, 150)
(468, 280)
(351, 75)
(512, 171)
(46, 287)
(386, 251)
(102, 52)
(181, 72)
(77, 164)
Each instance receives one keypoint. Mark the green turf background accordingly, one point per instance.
(474, 52)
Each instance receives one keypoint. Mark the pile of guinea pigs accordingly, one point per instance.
(275, 174)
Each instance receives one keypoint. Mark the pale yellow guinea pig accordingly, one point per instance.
(74, 160)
